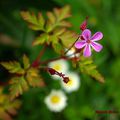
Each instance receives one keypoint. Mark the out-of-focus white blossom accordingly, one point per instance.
(60, 66)
(56, 101)
(71, 53)
(73, 84)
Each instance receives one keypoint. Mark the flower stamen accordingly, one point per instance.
(55, 99)
(88, 41)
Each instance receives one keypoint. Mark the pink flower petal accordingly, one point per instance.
(86, 34)
(87, 51)
(80, 44)
(97, 36)
(96, 46)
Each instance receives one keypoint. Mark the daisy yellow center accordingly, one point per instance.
(55, 99)
(70, 83)
(57, 67)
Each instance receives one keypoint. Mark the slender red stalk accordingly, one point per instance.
(36, 62)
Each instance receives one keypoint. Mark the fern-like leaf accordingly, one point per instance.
(17, 86)
(87, 66)
(34, 22)
(13, 67)
(33, 78)
(53, 30)
(8, 108)
(26, 62)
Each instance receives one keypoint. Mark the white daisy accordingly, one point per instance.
(71, 52)
(56, 101)
(73, 84)
(60, 66)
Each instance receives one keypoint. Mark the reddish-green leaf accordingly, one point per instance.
(13, 67)
(33, 78)
(87, 66)
(41, 39)
(26, 62)
(34, 22)
(17, 86)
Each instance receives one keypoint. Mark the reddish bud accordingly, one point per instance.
(54, 72)
(66, 79)
(83, 26)
(51, 71)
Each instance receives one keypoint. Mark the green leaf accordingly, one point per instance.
(41, 39)
(41, 20)
(59, 31)
(13, 67)
(51, 17)
(68, 38)
(31, 18)
(33, 78)
(26, 62)
(63, 13)
(87, 66)
(57, 47)
(49, 26)
(18, 85)
(34, 22)
(65, 24)
(56, 19)
(8, 108)
(53, 39)
(54, 32)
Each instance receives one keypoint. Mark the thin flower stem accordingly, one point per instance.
(37, 61)
(78, 36)
(41, 53)
(54, 59)
(71, 46)
(58, 58)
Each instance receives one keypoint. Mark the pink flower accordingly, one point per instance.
(87, 42)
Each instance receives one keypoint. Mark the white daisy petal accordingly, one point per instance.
(71, 52)
(60, 66)
(73, 84)
(56, 101)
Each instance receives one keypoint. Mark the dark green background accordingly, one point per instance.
(104, 15)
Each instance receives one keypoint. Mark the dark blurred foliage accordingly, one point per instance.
(16, 39)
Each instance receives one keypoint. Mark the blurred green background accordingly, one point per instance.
(16, 39)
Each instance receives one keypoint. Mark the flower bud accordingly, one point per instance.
(51, 71)
(66, 79)
(83, 26)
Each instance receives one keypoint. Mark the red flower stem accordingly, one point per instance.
(41, 53)
(58, 58)
(54, 59)
(36, 62)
